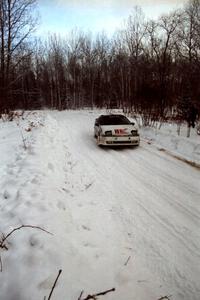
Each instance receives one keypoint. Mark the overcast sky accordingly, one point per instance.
(61, 16)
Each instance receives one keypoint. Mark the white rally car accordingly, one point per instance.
(115, 130)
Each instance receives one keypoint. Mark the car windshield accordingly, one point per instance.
(113, 120)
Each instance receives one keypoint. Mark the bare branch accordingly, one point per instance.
(1, 264)
(4, 238)
(126, 263)
(53, 287)
(79, 298)
(94, 296)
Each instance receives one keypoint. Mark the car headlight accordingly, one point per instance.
(134, 132)
(108, 132)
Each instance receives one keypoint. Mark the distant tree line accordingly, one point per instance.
(149, 67)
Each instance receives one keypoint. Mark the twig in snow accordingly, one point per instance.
(79, 298)
(1, 264)
(126, 263)
(165, 297)
(87, 186)
(5, 237)
(94, 297)
(53, 287)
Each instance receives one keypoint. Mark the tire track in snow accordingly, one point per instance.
(167, 226)
(125, 179)
(154, 190)
(156, 218)
(173, 190)
(104, 174)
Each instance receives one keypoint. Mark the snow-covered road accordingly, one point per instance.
(127, 218)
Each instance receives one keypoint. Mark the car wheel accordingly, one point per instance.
(98, 138)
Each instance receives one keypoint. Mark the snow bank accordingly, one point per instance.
(167, 138)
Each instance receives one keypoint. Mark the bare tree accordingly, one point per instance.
(188, 49)
(148, 67)
(162, 41)
(134, 34)
(74, 59)
(17, 22)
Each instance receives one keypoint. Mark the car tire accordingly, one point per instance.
(98, 137)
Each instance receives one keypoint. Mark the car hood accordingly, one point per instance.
(119, 129)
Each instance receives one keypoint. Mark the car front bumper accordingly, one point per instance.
(118, 140)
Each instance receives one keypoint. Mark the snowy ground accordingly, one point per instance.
(123, 218)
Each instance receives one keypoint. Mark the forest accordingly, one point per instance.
(150, 67)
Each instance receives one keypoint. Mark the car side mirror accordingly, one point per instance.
(132, 123)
